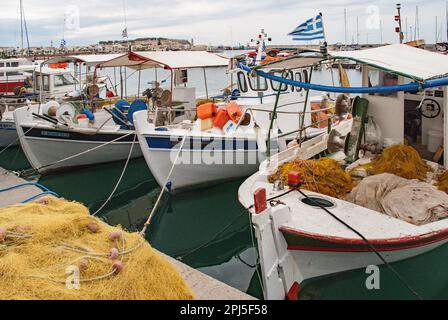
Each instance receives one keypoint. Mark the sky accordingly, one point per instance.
(213, 22)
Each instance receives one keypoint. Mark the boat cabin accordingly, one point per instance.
(173, 94)
(416, 117)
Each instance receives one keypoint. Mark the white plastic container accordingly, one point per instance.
(83, 123)
(435, 140)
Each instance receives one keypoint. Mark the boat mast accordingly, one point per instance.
(357, 30)
(21, 25)
(345, 24)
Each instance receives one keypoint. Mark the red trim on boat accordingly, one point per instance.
(8, 87)
(294, 292)
(337, 244)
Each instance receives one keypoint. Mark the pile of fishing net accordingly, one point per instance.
(412, 201)
(324, 176)
(55, 250)
(400, 160)
(442, 182)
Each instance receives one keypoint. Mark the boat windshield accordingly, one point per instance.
(66, 79)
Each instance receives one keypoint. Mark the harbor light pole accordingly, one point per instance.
(399, 29)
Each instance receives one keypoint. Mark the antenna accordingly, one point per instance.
(261, 44)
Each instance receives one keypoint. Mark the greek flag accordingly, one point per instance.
(124, 34)
(312, 29)
(63, 43)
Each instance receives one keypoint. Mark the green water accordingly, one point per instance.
(209, 230)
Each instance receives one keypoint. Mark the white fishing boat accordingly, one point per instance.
(58, 143)
(303, 235)
(58, 82)
(13, 74)
(231, 141)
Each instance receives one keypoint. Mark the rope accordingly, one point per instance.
(16, 140)
(79, 154)
(414, 86)
(260, 279)
(380, 256)
(180, 258)
(148, 222)
(119, 180)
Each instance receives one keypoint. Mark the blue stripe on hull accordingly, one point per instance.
(217, 144)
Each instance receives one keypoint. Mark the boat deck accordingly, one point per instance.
(8, 198)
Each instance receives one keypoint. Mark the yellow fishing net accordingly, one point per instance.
(400, 160)
(43, 246)
(324, 176)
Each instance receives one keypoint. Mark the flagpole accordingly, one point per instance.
(325, 46)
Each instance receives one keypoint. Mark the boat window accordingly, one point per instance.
(12, 73)
(306, 77)
(2, 64)
(46, 83)
(258, 83)
(61, 80)
(242, 83)
(276, 85)
(379, 78)
(14, 64)
(299, 78)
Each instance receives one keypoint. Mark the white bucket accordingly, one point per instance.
(435, 140)
(83, 123)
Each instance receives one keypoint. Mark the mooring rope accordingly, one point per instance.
(79, 154)
(156, 205)
(371, 247)
(119, 179)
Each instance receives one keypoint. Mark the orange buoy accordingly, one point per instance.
(234, 111)
(222, 117)
(207, 111)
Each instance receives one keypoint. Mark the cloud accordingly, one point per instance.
(207, 21)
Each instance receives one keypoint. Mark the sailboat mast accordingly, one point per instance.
(21, 25)
(345, 23)
(357, 30)
(437, 29)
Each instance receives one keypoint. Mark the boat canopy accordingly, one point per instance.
(407, 61)
(167, 59)
(89, 59)
(427, 69)
(410, 62)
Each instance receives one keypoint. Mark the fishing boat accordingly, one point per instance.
(52, 143)
(308, 234)
(53, 80)
(231, 136)
(12, 74)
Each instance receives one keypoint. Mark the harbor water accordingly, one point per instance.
(209, 230)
